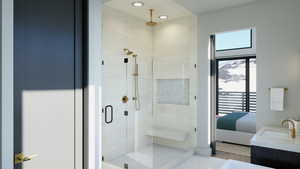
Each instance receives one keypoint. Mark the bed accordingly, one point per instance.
(237, 127)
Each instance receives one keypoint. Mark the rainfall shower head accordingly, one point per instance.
(151, 22)
(128, 52)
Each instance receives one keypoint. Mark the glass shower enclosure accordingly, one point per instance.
(149, 88)
(147, 120)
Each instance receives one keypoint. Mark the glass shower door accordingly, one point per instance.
(114, 112)
(128, 111)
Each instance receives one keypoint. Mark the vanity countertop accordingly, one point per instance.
(276, 138)
(232, 164)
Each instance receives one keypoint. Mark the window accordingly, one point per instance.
(241, 39)
(236, 85)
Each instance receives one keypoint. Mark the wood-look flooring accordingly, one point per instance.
(233, 152)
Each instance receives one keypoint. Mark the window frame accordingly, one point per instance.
(247, 84)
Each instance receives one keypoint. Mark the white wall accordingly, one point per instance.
(277, 26)
(175, 53)
(6, 85)
(121, 31)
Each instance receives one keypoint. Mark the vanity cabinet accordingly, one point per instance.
(274, 158)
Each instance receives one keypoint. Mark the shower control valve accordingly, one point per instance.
(125, 99)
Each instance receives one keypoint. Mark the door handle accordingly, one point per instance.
(20, 158)
(109, 107)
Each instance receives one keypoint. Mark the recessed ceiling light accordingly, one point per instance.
(137, 4)
(163, 17)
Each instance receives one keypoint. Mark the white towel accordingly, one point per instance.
(277, 99)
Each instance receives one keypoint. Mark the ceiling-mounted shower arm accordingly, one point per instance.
(151, 14)
(151, 22)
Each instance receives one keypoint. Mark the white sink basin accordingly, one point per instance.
(275, 134)
(276, 138)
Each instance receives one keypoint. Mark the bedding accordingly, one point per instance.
(247, 123)
(238, 121)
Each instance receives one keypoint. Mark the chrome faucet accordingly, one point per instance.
(293, 130)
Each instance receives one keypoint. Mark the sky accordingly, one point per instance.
(233, 40)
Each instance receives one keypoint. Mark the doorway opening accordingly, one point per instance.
(235, 94)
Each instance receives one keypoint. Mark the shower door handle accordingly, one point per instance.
(111, 110)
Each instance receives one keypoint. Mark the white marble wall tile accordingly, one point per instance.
(121, 31)
(174, 58)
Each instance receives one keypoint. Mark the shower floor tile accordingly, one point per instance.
(153, 157)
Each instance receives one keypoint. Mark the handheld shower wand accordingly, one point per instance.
(136, 97)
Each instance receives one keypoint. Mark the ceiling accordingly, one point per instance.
(202, 6)
(162, 7)
(172, 8)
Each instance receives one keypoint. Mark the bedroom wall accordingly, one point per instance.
(277, 26)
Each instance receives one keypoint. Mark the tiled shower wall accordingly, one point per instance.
(166, 53)
(175, 56)
(126, 133)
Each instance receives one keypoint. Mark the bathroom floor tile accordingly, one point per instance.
(153, 157)
(199, 162)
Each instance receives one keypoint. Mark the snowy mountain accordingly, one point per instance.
(232, 75)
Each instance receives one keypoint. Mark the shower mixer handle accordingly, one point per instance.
(125, 99)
